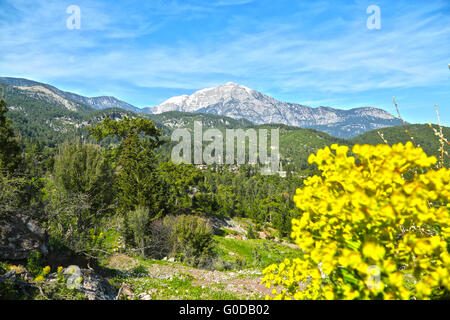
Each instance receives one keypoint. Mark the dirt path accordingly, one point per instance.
(243, 282)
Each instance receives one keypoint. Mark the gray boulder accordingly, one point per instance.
(20, 236)
(86, 281)
(95, 287)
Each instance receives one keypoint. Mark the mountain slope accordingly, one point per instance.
(36, 88)
(46, 119)
(237, 101)
(423, 136)
(41, 119)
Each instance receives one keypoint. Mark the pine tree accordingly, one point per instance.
(138, 181)
(141, 188)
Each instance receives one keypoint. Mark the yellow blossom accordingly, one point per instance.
(373, 210)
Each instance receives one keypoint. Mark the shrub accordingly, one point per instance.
(191, 238)
(251, 234)
(139, 270)
(19, 193)
(159, 245)
(34, 263)
(79, 194)
(139, 227)
(10, 194)
(368, 231)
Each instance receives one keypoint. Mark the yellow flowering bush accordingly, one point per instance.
(374, 226)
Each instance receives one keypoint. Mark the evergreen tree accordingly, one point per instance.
(10, 151)
(80, 193)
(139, 183)
(140, 186)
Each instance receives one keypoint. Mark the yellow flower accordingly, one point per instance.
(366, 211)
(373, 251)
(46, 270)
(39, 278)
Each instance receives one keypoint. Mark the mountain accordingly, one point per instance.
(237, 101)
(230, 100)
(42, 90)
(44, 114)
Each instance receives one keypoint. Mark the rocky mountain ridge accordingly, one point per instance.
(237, 101)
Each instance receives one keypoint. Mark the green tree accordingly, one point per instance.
(182, 179)
(12, 186)
(80, 193)
(226, 199)
(10, 150)
(139, 182)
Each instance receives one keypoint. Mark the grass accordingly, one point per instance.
(253, 253)
(243, 261)
(180, 287)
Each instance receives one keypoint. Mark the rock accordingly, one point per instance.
(145, 296)
(25, 288)
(171, 259)
(217, 223)
(95, 287)
(20, 236)
(10, 275)
(92, 285)
(125, 290)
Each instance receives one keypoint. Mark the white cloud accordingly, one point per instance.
(338, 55)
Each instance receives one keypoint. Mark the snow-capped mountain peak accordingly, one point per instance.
(238, 101)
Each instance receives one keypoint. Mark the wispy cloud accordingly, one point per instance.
(311, 48)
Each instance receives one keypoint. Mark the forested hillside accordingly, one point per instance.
(101, 186)
(423, 135)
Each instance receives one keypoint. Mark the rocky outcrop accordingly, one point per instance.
(86, 281)
(224, 222)
(20, 236)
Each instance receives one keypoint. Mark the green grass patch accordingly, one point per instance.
(253, 253)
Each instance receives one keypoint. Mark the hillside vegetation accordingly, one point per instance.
(103, 187)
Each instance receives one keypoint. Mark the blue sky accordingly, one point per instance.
(310, 52)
